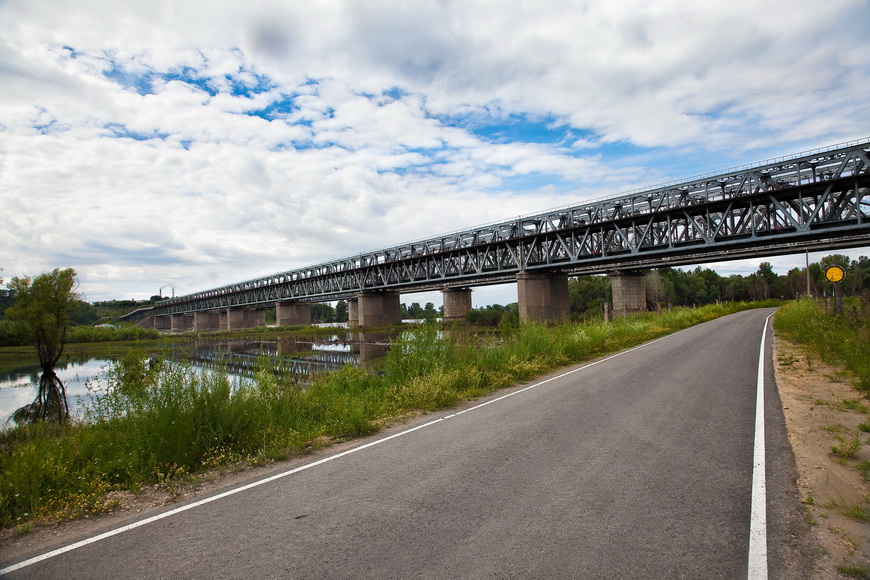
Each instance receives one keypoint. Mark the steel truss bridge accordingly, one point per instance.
(815, 200)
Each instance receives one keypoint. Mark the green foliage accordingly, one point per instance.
(107, 334)
(493, 315)
(847, 449)
(83, 334)
(417, 312)
(588, 294)
(41, 312)
(7, 298)
(854, 571)
(326, 312)
(8, 334)
(839, 339)
(81, 312)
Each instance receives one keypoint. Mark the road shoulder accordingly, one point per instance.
(823, 411)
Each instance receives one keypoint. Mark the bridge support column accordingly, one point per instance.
(378, 309)
(241, 318)
(208, 320)
(353, 313)
(457, 303)
(146, 322)
(293, 313)
(181, 322)
(163, 322)
(629, 292)
(543, 297)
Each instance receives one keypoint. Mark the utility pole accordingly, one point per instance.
(809, 292)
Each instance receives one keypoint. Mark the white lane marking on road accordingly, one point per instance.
(184, 508)
(758, 514)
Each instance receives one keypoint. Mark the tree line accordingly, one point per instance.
(700, 286)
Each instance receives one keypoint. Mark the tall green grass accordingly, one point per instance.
(77, 334)
(841, 340)
(157, 420)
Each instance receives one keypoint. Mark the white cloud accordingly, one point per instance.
(203, 143)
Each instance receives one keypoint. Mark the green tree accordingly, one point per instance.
(861, 274)
(656, 293)
(322, 312)
(588, 294)
(341, 311)
(83, 313)
(6, 300)
(764, 283)
(40, 316)
(677, 288)
(736, 288)
(414, 311)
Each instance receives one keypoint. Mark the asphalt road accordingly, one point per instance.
(639, 466)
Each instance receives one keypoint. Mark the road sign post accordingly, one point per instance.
(835, 275)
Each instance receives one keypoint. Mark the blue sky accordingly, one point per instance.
(196, 144)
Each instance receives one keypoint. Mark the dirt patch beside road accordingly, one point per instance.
(824, 415)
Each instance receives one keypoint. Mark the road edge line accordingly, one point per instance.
(757, 559)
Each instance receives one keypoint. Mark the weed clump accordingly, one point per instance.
(837, 340)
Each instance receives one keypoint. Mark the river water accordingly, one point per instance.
(301, 356)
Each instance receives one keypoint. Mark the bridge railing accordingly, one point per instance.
(630, 193)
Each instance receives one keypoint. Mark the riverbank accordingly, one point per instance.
(163, 428)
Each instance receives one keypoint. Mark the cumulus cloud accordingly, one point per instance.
(197, 144)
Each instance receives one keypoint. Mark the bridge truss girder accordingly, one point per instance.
(815, 200)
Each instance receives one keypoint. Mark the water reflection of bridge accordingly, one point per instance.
(290, 354)
(246, 363)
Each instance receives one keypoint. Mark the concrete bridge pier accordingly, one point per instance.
(241, 318)
(208, 320)
(629, 292)
(163, 322)
(543, 297)
(146, 322)
(181, 322)
(378, 309)
(352, 312)
(457, 303)
(293, 313)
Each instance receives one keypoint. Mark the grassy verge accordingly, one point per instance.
(837, 340)
(160, 421)
(822, 362)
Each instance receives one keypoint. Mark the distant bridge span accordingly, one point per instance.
(818, 200)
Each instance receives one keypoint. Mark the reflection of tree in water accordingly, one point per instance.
(50, 401)
(41, 316)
